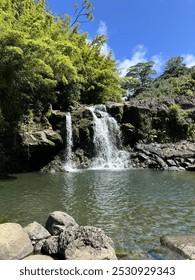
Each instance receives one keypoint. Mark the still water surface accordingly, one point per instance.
(134, 207)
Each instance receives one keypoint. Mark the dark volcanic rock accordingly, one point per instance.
(89, 243)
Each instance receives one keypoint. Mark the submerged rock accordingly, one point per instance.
(182, 244)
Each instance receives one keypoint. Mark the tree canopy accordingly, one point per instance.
(45, 59)
(176, 79)
(139, 76)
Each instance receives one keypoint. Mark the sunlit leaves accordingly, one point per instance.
(45, 60)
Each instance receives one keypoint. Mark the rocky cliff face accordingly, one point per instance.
(164, 122)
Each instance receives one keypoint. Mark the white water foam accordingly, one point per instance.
(68, 166)
(107, 141)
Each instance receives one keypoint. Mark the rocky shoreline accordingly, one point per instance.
(61, 238)
(178, 156)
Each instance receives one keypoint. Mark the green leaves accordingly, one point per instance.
(44, 60)
(139, 77)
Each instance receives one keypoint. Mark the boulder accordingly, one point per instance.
(59, 221)
(57, 119)
(38, 257)
(36, 231)
(182, 244)
(56, 165)
(174, 168)
(50, 246)
(168, 156)
(115, 110)
(87, 243)
(40, 138)
(190, 168)
(14, 242)
(72, 242)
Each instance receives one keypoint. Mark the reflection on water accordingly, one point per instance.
(134, 207)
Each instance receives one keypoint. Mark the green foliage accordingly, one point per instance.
(139, 77)
(170, 87)
(176, 80)
(175, 108)
(175, 67)
(45, 60)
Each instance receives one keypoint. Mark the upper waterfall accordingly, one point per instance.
(107, 141)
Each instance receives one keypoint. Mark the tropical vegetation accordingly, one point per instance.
(46, 59)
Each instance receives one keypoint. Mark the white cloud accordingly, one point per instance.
(140, 55)
(105, 49)
(102, 29)
(189, 60)
(159, 63)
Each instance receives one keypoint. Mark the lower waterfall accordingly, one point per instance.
(107, 141)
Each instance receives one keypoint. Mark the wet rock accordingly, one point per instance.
(168, 156)
(55, 165)
(171, 162)
(183, 244)
(190, 168)
(115, 110)
(173, 168)
(56, 118)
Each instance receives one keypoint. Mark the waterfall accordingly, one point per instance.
(69, 143)
(107, 141)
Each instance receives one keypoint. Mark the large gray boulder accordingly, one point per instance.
(36, 231)
(14, 242)
(86, 243)
(59, 221)
(37, 234)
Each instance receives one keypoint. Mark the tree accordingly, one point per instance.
(101, 76)
(175, 67)
(139, 77)
(44, 60)
(84, 14)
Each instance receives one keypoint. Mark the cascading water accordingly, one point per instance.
(107, 141)
(69, 143)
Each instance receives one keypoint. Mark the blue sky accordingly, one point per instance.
(140, 30)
